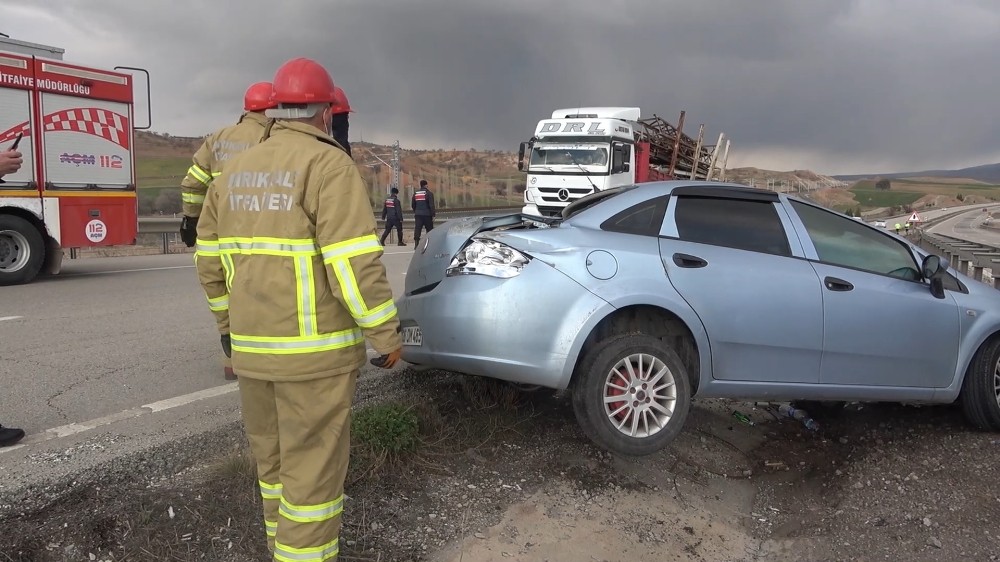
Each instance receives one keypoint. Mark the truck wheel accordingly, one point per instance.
(981, 387)
(22, 250)
(631, 394)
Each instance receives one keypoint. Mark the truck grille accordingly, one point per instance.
(551, 194)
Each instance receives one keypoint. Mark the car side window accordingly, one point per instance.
(843, 241)
(644, 218)
(733, 223)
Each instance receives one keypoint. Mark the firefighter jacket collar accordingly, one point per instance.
(283, 127)
(254, 116)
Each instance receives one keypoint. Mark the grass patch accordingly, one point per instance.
(877, 198)
(387, 430)
(147, 169)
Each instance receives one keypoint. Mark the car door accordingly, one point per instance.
(882, 325)
(728, 253)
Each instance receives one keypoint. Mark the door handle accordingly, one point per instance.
(687, 260)
(835, 284)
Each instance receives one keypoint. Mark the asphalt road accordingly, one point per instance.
(966, 227)
(126, 345)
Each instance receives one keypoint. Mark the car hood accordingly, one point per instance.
(432, 257)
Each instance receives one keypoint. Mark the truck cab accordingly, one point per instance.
(576, 152)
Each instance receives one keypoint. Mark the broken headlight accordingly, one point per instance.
(487, 257)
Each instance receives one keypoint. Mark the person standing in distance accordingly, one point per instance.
(392, 214)
(287, 240)
(422, 204)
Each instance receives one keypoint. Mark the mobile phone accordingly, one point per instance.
(17, 141)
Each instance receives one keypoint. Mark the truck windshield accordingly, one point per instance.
(591, 157)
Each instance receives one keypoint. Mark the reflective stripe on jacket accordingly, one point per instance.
(218, 148)
(287, 235)
(392, 210)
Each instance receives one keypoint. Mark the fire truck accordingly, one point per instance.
(74, 126)
(582, 150)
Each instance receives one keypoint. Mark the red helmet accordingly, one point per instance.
(303, 80)
(258, 97)
(341, 105)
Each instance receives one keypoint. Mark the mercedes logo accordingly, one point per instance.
(563, 194)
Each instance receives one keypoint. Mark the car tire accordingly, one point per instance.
(22, 251)
(646, 429)
(981, 388)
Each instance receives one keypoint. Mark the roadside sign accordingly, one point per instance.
(914, 217)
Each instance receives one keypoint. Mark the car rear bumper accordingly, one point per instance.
(524, 329)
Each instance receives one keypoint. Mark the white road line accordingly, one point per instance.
(193, 397)
(2, 318)
(127, 270)
(79, 427)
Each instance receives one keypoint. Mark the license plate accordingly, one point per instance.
(412, 336)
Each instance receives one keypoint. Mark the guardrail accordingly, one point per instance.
(169, 227)
(961, 254)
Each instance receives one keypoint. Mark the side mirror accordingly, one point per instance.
(933, 268)
(520, 156)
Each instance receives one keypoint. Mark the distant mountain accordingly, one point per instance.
(988, 173)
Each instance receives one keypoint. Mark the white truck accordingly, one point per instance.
(583, 150)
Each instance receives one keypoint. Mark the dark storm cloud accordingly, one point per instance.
(834, 85)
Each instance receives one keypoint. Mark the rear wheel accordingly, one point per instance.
(631, 394)
(22, 250)
(981, 388)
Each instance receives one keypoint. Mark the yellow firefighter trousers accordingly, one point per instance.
(299, 434)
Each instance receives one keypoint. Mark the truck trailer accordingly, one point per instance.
(74, 126)
(579, 151)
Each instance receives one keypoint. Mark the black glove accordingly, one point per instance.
(388, 360)
(189, 230)
(227, 345)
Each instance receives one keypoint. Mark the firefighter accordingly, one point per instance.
(287, 246)
(10, 163)
(216, 151)
(422, 204)
(338, 128)
(392, 214)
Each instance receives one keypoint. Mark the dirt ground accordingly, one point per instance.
(509, 476)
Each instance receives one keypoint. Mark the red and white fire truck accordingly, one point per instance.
(74, 126)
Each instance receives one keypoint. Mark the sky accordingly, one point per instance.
(834, 86)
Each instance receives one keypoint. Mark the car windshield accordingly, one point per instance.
(592, 157)
(589, 201)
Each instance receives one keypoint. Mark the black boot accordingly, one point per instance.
(9, 436)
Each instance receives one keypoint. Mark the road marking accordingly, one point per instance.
(79, 427)
(127, 270)
(2, 318)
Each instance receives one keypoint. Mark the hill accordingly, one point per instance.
(987, 173)
(795, 180)
(459, 178)
(907, 194)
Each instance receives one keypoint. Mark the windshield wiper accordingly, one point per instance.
(582, 169)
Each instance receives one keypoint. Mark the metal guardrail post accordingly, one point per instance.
(166, 243)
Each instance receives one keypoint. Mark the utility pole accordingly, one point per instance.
(395, 164)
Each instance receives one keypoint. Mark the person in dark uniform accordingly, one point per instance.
(422, 204)
(392, 214)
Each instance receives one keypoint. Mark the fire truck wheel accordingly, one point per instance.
(22, 250)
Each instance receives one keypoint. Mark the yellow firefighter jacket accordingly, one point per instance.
(289, 260)
(218, 148)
